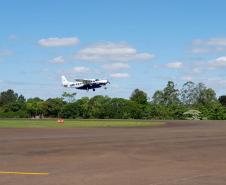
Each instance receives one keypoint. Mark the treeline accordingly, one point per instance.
(192, 101)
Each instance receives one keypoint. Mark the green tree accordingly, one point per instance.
(69, 110)
(134, 110)
(34, 107)
(188, 93)
(118, 108)
(205, 95)
(139, 96)
(99, 107)
(83, 106)
(77, 109)
(12, 104)
(212, 111)
(194, 94)
(169, 95)
(159, 111)
(69, 97)
(52, 107)
(7, 97)
(222, 100)
(158, 97)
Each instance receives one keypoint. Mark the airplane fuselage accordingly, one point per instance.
(84, 84)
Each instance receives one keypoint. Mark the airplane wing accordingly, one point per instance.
(79, 80)
(84, 81)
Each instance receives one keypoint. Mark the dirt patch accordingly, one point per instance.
(182, 152)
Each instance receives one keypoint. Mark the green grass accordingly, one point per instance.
(52, 123)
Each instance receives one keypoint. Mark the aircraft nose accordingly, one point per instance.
(106, 82)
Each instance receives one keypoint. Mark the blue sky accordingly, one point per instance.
(133, 43)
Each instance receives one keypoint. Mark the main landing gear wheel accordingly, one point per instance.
(93, 89)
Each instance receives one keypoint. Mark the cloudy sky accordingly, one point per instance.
(133, 43)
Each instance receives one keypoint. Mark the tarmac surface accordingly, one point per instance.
(179, 153)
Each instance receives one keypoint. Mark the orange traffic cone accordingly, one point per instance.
(60, 121)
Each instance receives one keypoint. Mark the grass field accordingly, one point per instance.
(52, 123)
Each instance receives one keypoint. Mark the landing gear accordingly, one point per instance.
(93, 89)
(105, 88)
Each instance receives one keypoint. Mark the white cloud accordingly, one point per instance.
(216, 42)
(200, 50)
(210, 42)
(175, 65)
(109, 51)
(187, 78)
(81, 69)
(58, 42)
(197, 42)
(196, 70)
(12, 37)
(5, 53)
(120, 75)
(212, 45)
(219, 62)
(116, 66)
(57, 60)
(216, 82)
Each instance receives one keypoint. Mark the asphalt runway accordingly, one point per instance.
(180, 153)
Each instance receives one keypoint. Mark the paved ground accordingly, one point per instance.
(181, 153)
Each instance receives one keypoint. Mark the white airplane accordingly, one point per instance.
(84, 84)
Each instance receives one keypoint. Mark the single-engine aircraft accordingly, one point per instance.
(84, 84)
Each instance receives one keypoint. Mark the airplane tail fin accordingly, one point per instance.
(64, 81)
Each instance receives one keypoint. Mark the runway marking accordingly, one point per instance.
(23, 173)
